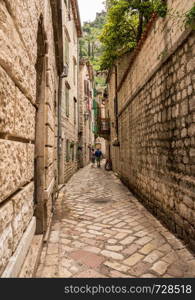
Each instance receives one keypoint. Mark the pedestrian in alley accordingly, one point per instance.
(98, 157)
(93, 158)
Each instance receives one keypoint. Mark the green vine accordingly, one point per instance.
(126, 21)
(125, 24)
(190, 18)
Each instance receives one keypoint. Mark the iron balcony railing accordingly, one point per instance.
(104, 126)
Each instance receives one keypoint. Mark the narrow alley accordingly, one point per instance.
(86, 82)
(100, 230)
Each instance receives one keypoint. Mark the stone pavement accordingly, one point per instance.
(100, 230)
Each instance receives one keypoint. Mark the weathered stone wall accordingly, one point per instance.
(18, 55)
(156, 157)
(85, 125)
(69, 129)
(163, 36)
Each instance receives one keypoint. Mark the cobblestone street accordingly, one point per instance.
(100, 230)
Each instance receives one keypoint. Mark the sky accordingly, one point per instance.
(88, 9)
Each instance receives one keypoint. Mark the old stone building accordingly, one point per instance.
(86, 138)
(101, 122)
(38, 118)
(69, 111)
(151, 106)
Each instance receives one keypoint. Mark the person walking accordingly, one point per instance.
(98, 156)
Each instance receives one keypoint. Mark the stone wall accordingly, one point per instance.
(164, 34)
(69, 126)
(18, 56)
(156, 157)
(85, 106)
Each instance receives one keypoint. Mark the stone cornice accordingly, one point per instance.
(75, 9)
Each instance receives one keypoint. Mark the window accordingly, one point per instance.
(72, 152)
(67, 89)
(90, 122)
(66, 49)
(69, 10)
(67, 151)
(74, 70)
(86, 87)
(74, 39)
(75, 110)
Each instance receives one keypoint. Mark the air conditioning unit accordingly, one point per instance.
(65, 71)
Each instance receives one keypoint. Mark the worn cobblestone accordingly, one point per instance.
(99, 229)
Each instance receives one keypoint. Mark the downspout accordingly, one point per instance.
(116, 99)
(59, 125)
(116, 142)
(60, 70)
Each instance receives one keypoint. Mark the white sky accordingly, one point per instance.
(88, 9)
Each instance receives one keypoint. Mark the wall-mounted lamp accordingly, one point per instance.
(65, 71)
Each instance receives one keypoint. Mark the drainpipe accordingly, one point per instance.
(116, 142)
(60, 80)
(116, 99)
(59, 126)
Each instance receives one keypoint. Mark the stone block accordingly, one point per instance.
(26, 21)
(188, 201)
(160, 267)
(184, 108)
(50, 136)
(6, 215)
(32, 258)
(6, 246)
(23, 211)
(192, 152)
(49, 152)
(24, 117)
(30, 161)
(183, 210)
(13, 57)
(116, 266)
(13, 167)
(49, 175)
(16, 261)
(192, 103)
(184, 132)
(7, 103)
(191, 130)
(50, 99)
(50, 118)
(49, 210)
(111, 254)
(133, 259)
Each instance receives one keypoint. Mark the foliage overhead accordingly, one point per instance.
(90, 46)
(126, 20)
(190, 18)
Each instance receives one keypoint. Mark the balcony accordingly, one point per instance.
(104, 127)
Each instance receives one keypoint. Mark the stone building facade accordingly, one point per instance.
(69, 114)
(33, 53)
(100, 122)
(86, 138)
(151, 104)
